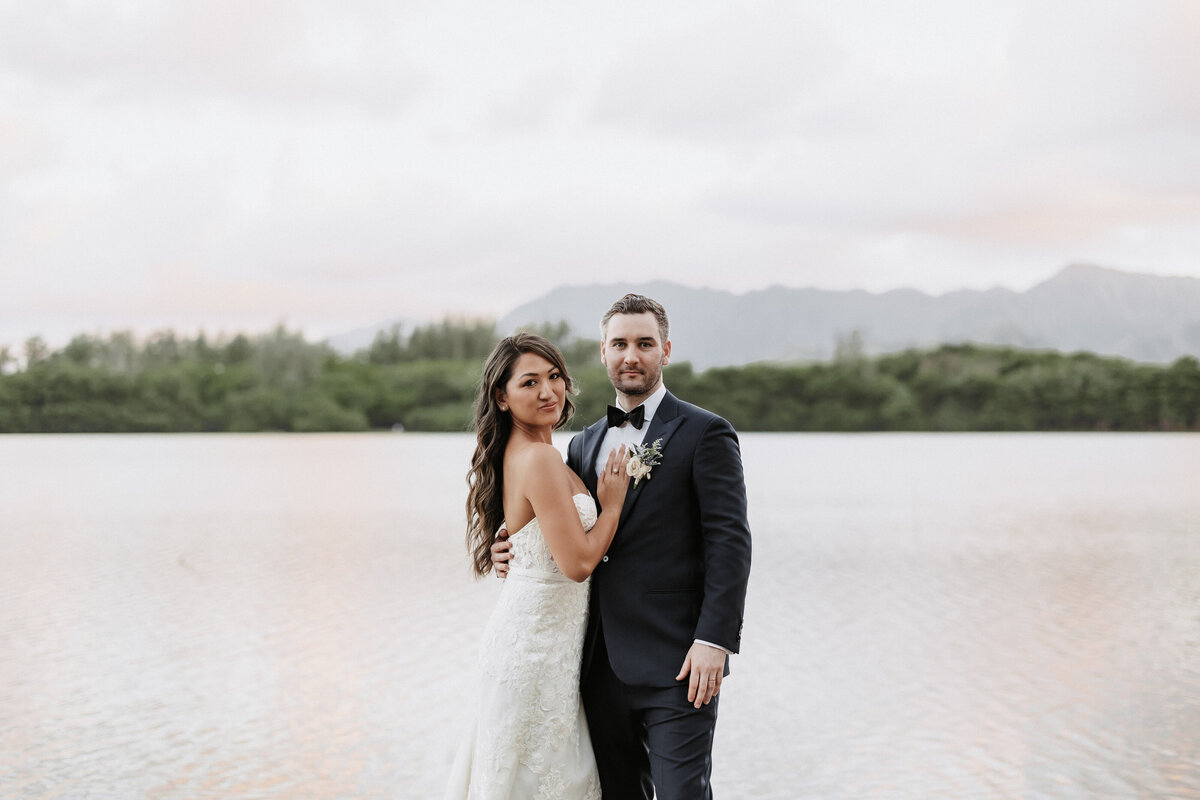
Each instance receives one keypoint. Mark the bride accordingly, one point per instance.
(530, 739)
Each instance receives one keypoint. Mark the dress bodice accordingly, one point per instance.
(530, 551)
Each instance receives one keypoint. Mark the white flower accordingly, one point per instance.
(643, 459)
(637, 470)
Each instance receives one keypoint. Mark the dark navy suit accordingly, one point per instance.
(676, 572)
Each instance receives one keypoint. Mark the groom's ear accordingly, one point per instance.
(666, 352)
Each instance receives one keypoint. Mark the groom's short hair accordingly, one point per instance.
(638, 304)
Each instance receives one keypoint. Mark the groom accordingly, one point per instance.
(667, 599)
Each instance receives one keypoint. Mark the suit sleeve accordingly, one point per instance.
(721, 491)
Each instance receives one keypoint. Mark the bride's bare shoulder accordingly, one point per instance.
(534, 459)
(527, 449)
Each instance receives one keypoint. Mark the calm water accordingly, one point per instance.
(930, 616)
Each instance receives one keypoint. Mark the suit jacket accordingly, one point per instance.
(678, 566)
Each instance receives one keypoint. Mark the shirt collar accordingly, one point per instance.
(652, 402)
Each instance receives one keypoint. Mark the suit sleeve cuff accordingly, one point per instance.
(710, 644)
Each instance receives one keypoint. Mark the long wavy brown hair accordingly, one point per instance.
(485, 499)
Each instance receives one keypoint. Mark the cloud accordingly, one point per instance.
(271, 51)
(531, 106)
(349, 161)
(1086, 123)
(1070, 219)
(25, 146)
(1082, 71)
(744, 75)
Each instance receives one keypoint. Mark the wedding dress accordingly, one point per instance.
(530, 738)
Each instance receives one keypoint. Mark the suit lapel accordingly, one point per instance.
(666, 419)
(593, 437)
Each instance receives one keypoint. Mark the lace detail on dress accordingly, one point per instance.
(531, 739)
(530, 550)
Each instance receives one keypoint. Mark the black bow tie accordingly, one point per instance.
(636, 418)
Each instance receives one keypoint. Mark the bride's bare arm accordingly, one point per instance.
(575, 551)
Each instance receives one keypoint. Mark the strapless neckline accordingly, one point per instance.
(534, 519)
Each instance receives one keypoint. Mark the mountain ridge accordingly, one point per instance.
(1081, 307)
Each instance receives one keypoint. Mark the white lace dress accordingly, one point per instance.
(530, 739)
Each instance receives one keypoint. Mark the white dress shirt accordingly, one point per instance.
(627, 434)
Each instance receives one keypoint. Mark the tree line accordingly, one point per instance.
(425, 380)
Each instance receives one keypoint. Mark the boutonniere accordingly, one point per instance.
(642, 459)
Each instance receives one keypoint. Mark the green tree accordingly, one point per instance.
(36, 350)
(238, 350)
(1181, 394)
(279, 381)
(388, 348)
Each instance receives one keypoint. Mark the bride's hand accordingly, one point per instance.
(613, 483)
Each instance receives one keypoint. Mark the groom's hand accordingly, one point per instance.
(501, 552)
(706, 665)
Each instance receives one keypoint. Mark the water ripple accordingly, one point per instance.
(280, 617)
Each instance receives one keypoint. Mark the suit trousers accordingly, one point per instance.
(647, 738)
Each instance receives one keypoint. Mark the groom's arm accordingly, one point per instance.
(721, 493)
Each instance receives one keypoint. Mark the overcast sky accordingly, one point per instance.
(230, 164)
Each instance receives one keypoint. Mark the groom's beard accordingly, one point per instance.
(642, 385)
